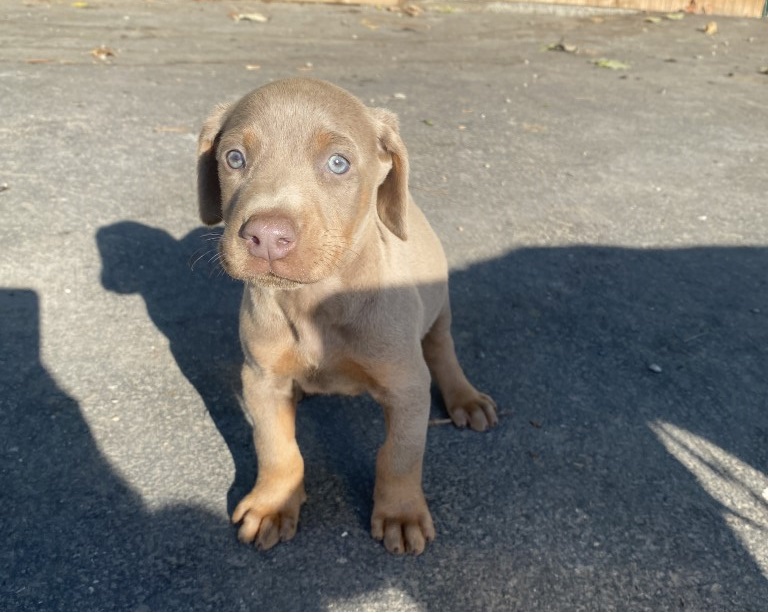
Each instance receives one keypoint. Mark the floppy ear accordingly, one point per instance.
(208, 188)
(392, 198)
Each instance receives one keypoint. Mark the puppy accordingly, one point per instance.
(346, 291)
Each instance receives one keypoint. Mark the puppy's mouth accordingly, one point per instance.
(261, 272)
(272, 280)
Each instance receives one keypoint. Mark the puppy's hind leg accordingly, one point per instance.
(466, 405)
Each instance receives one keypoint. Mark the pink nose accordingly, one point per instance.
(269, 238)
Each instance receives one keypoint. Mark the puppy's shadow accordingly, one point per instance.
(195, 305)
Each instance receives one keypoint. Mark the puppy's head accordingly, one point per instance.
(298, 170)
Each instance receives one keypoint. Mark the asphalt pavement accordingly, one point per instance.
(599, 182)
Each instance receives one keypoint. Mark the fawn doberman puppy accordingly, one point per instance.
(346, 291)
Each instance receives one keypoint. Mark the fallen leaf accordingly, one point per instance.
(610, 64)
(710, 29)
(534, 128)
(561, 46)
(103, 53)
(652, 19)
(257, 17)
(674, 16)
(413, 10)
(428, 122)
(173, 129)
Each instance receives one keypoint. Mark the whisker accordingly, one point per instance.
(192, 262)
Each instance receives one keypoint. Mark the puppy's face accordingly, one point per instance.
(298, 170)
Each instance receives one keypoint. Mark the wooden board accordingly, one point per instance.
(735, 8)
(359, 2)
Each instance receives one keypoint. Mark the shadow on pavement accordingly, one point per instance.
(74, 534)
(195, 306)
(578, 500)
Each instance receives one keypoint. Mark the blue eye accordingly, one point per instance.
(235, 159)
(338, 164)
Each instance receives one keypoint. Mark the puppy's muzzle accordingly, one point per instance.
(269, 238)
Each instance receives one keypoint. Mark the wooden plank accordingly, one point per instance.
(358, 2)
(733, 8)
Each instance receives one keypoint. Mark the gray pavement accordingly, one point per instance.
(607, 232)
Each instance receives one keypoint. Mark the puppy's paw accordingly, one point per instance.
(473, 409)
(267, 518)
(404, 528)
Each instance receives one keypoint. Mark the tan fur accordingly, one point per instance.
(359, 304)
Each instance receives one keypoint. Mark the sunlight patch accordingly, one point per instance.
(385, 599)
(741, 489)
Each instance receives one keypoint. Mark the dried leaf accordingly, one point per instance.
(413, 10)
(674, 16)
(653, 19)
(257, 17)
(610, 64)
(173, 129)
(428, 122)
(710, 29)
(103, 53)
(534, 128)
(561, 46)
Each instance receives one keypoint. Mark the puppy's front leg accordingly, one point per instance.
(270, 512)
(401, 517)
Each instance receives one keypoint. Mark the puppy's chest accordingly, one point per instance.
(323, 362)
